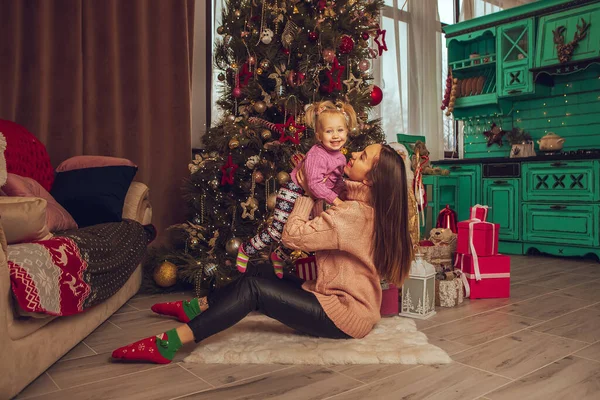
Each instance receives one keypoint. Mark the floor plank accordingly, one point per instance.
(81, 350)
(42, 385)
(370, 373)
(581, 325)
(569, 378)
(225, 374)
(554, 306)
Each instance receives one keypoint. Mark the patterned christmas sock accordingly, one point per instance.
(158, 349)
(277, 265)
(184, 310)
(241, 262)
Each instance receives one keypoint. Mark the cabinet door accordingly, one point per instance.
(570, 19)
(469, 188)
(502, 195)
(515, 58)
(440, 191)
(561, 223)
(561, 181)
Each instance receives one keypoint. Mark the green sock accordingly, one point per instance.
(191, 308)
(167, 348)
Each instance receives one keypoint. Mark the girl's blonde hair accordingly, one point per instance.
(316, 111)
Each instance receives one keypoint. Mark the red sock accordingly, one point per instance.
(184, 310)
(142, 350)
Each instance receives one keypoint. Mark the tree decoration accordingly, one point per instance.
(346, 44)
(266, 36)
(165, 274)
(313, 36)
(334, 75)
(376, 95)
(494, 135)
(290, 127)
(381, 45)
(328, 55)
(289, 33)
(364, 65)
(244, 76)
(228, 171)
(352, 82)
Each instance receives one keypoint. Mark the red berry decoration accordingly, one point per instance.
(365, 36)
(346, 44)
(237, 92)
(313, 36)
(376, 95)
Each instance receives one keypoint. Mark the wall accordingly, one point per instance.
(572, 110)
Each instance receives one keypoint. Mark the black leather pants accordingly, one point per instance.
(280, 299)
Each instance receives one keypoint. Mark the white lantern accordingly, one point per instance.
(418, 291)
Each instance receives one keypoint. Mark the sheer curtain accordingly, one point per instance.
(476, 8)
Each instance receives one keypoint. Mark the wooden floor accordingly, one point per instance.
(542, 343)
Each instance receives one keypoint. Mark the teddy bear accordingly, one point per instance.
(442, 237)
(444, 244)
(423, 153)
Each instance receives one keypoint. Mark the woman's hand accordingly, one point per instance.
(302, 181)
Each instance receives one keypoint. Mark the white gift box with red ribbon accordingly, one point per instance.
(486, 279)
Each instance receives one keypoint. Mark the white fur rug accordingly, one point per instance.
(260, 340)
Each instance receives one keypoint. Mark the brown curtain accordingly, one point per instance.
(109, 77)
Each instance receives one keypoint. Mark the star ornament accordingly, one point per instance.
(244, 75)
(381, 46)
(249, 207)
(352, 82)
(335, 76)
(228, 171)
(494, 135)
(292, 128)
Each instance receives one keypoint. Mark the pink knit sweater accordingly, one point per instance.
(347, 284)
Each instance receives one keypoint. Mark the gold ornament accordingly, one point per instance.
(232, 246)
(265, 134)
(230, 118)
(271, 200)
(237, 13)
(220, 30)
(260, 107)
(194, 242)
(221, 77)
(259, 71)
(283, 178)
(234, 65)
(234, 143)
(165, 274)
(344, 150)
(258, 177)
(265, 64)
(249, 207)
(214, 184)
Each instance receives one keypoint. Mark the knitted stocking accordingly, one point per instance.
(184, 310)
(158, 349)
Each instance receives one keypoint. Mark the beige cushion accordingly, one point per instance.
(23, 219)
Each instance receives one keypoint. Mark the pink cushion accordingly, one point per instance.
(80, 162)
(57, 218)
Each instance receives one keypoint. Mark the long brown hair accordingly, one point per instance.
(392, 245)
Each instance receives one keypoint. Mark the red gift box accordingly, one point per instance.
(478, 211)
(485, 277)
(390, 303)
(484, 237)
(306, 268)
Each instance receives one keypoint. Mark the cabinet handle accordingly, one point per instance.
(514, 91)
(500, 182)
(455, 167)
(557, 207)
(559, 164)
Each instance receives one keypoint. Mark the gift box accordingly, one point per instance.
(485, 277)
(448, 293)
(390, 303)
(480, 236)
(306, 268)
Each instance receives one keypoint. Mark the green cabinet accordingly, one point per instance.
(441, 191)
(546, 53)
(561, 223)
(561, 181)
(503, 198)
(515, 58)
(469, 187)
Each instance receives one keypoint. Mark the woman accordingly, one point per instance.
(356, 243)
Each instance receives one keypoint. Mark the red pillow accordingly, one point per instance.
(57, 218)
(81, 162)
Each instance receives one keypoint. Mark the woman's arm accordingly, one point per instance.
(317, 234)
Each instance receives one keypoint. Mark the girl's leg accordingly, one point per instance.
(283, 300)
(286, 198)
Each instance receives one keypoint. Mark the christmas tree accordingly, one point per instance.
(276, 57)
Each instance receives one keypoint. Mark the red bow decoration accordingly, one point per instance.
(228, 171)
(335, 83)
(290, 125)
(447, 219)
(381, 46)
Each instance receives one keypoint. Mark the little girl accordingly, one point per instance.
(323, 168)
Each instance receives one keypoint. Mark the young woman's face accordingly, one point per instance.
(333, 133)
(361, 164)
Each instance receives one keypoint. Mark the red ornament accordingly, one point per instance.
(237, 92)
(286, 51)
(335, 82)
(381, 46)
(376, 95)
(244, 76)
(228, 171)
(313, 36)
(346, 44)
(364, 35)
(290, 125)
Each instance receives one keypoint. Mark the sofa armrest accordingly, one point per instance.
(5, 290)
(137, 204)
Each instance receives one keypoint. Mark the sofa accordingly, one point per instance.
(26, 350)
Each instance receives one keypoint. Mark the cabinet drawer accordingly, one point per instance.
(561, 223)
(560, 181)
